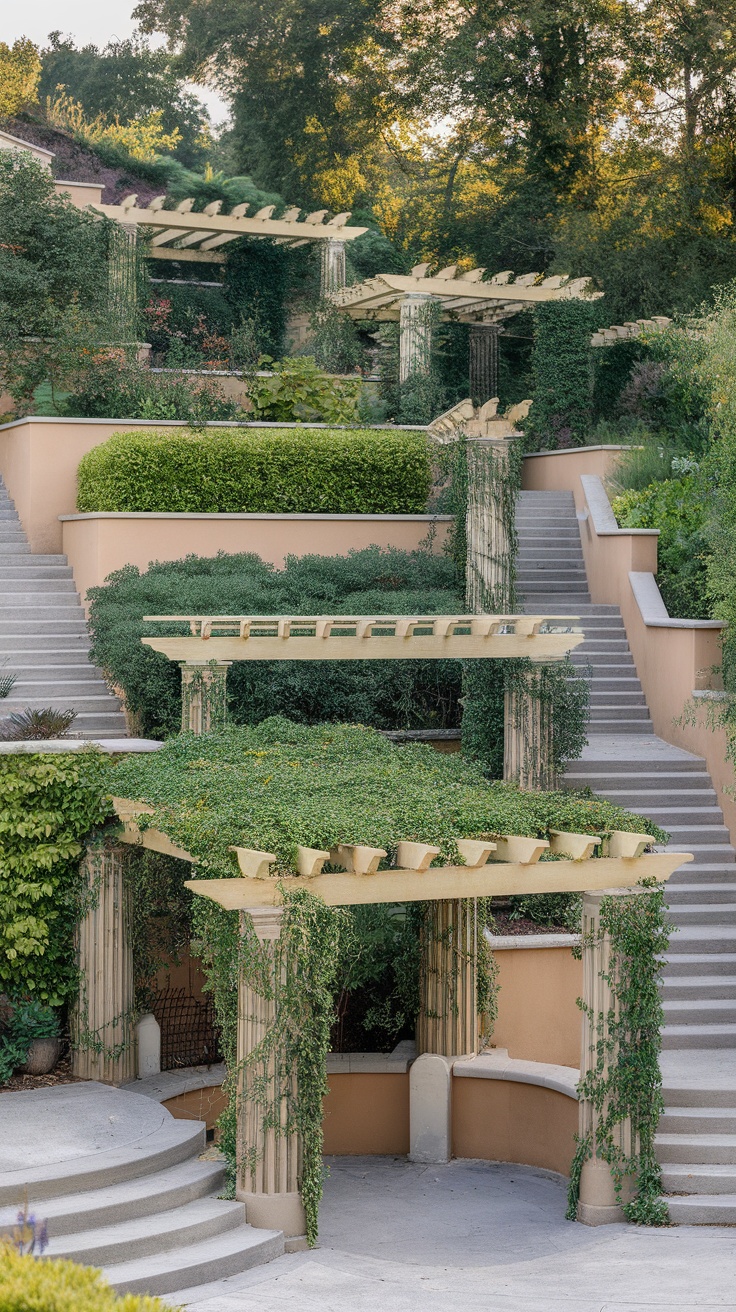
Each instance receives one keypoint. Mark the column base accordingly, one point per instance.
(276, 1212)
(598, 1204)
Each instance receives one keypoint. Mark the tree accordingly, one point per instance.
(20, 69)
(126, 82)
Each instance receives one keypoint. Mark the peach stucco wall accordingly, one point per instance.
(538, 1017)
(559, 471)
(98, 544)
(504, 1121)
(367, 1114)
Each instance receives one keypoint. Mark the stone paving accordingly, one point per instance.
(406, 1238)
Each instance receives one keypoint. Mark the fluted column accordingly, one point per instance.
(333, 273)
(269, 1154)
(415, 336)
(597, 1202)
(103, 1019)
(489, 527)
(203, 696)
(483, 362)
(448, 979)
(528, 734)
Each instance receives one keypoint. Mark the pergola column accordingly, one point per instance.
(104, 1016)
(448, 979)
(268, 1155)
(528, 734)
(123, 279)
(415, 335)
(333, 272)
(489, 527)
(597, 1201)
(483, 362)
(203, 695)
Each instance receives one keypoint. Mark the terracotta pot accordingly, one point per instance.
(43, 1055)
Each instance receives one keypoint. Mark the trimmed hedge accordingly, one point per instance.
(265, 470)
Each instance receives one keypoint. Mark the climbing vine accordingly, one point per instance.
(624, 1083)
(48, 807)
(562, 367)
(280, 784)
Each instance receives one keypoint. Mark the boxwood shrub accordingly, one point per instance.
(264, 470)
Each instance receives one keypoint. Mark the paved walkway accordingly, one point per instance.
(396, 1237)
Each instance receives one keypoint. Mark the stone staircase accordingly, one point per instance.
(627, 763)
(44, 639)
(134, 1197)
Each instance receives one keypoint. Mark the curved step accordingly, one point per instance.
(141, 1237)
(144, 1195)
(198, 1264)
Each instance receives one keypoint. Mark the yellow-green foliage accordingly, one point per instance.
(274, 470)
(20, 69)
(30, 1284)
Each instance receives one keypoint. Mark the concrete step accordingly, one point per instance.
(58, 690)
(174, 1142)
(715, 964)
(197, 1264)
(694, 1120)
(56, 624)
(702, 941)
(712, 853)
(11, 588)
(31, 569)
(699, 1149)
(16, 604)
(698, 1178)
(697, 1011)
(193, 1222)
(143, 1196)
(620, 724)
(659, 795)
(703, 1209)
(720, 1035)
(704, 913)
(698, 986)
(18, 548)
(51, 644)
(95, 702)
(702, 895)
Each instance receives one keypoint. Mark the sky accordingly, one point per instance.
(87, 21)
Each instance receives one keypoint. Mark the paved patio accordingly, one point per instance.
(405, 1238)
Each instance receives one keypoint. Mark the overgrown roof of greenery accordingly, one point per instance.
(281, 784)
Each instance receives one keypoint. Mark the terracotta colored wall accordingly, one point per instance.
(98, 544)
(503, 1121)
(367, 1114)
(559, 471)
(198, 1105)
(538, 1019)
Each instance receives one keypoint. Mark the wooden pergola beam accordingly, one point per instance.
(462, 295)
(359, 638)
(170, 225)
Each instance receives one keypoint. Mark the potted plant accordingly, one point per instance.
(30, 1042)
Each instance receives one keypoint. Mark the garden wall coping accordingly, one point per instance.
(212, 423)
(576, 450)
(601, 512)
(250, 515)
(653, 610)
(497, 1065)
(506, 942)
(50, 746)
(171, 1084)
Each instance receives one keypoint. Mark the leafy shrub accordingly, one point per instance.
(108, 384)
(386, 694)
(299, 389)
(29, 1285)
(277, 471)
(48, 806)
(29, 1020)
(677, 507)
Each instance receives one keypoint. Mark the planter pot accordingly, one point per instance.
(43, 1055)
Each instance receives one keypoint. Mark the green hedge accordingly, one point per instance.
(266, 470)
(386, 694)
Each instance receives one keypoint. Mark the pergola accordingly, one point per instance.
(198, 236)
(463, 296)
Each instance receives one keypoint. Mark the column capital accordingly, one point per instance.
(266, 921)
